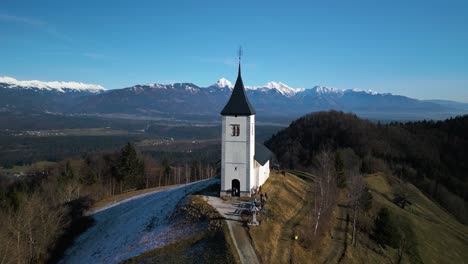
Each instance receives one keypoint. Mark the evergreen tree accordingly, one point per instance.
(386, 230)
(366, 199)
(130, 168)
(87, 174)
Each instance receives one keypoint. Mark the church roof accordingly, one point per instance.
(262, 154)
(238, 104)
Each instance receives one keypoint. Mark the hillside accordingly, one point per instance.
(431, 155)
(286, 216)
(439, 238)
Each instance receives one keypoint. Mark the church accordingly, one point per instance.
(245, 165)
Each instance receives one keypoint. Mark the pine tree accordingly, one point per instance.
(386, 231)
(130, 168)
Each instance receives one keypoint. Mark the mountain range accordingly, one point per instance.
(272, 99)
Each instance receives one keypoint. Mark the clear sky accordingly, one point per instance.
(414, 48)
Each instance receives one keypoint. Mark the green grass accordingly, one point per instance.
(439, 236)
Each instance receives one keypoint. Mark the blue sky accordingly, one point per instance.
(414, 48)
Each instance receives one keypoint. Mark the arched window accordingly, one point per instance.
(235, 130)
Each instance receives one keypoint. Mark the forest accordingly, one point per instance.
(429, 154)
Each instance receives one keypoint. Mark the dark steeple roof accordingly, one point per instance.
(238, 104)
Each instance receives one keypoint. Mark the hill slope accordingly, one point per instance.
(432, 155)
(439, 238)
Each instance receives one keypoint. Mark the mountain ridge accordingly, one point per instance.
(10, 82)
(272, 99)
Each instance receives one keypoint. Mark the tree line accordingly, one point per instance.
(42, 212)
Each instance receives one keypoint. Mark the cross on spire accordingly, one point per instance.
(240, 53)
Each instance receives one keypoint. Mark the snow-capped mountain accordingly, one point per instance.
(190, 87)
(279, 87)
(357, 90)
(223, 83)
(271, 99)
(324, 90)
(44, 96)
(289, 91)
(9, 82)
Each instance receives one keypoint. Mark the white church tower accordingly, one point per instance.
(238, 175)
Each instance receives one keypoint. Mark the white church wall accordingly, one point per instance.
(251, 151)
(263, 173)
(223, 154)
(237, 154)
(259, 175)
(256, 171)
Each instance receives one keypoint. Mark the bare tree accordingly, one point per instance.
(319, 201)
(356, 188)
(28, 231)
(150, 167)
(324, 185)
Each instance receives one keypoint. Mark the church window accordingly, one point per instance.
(235, 130)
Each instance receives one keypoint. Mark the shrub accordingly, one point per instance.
(386, 230)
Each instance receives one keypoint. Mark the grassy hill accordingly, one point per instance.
(285, 213)
(438, 236)
(431, 155)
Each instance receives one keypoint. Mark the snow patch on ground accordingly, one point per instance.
(132, 227)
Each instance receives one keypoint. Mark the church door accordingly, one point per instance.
(235, 187)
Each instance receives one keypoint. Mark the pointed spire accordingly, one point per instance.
(238, 103)
(239, 53)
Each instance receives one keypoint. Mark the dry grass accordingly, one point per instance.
(439, 237)
(274, 240)
(209, 245)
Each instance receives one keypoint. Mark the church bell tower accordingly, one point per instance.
(238, 142)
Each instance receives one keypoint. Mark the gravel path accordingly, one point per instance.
(232, 210)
